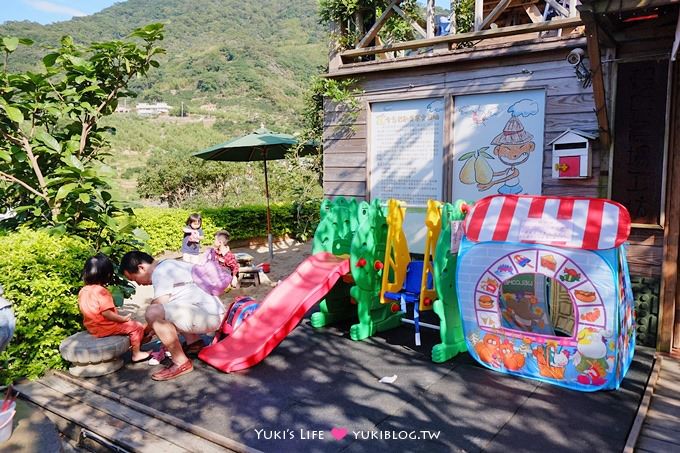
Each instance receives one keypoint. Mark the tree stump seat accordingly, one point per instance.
(91, 356)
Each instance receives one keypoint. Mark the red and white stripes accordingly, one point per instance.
(585, 223)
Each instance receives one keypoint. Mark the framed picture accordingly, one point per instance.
(498, 144)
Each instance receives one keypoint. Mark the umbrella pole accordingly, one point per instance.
(269, 221)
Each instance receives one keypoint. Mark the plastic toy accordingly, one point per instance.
(446, 305)
(397, 256)
(368, 249)
(280, 312)
(417, 280)
(410, 293)
(357, 230)
(433, 221)
(544, 289)
(325, 273)
(337, 226)
(403, 280)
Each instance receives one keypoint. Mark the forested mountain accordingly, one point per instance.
(249, 57)
(233, 65)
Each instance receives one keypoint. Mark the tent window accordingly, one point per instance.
(534, 303)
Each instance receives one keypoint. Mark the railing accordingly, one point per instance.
(484, 28)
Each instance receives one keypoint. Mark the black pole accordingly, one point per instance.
(269, 221)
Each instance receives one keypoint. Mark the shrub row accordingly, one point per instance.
(41, 276)
(164, 225)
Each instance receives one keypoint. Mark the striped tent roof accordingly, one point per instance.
(574, 222)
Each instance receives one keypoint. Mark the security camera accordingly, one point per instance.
(575, 59)
(575, 56)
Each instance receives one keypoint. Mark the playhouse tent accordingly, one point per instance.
(544, 289)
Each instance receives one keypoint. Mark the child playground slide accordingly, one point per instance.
(277, 316)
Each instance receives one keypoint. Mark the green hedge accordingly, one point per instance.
(164, 225)
(41, 276)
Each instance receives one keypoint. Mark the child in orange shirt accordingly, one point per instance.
(100, 316)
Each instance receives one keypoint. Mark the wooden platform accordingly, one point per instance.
(99, 418)
(661, 426)
(290, 391)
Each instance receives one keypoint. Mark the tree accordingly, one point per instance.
(178, 179)
(322, 90)
(346, 13)
(51, 144)
(465, 17)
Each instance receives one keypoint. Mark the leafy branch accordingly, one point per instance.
(49, 122)
(51, 142)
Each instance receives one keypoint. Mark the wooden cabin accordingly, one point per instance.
(431, 106)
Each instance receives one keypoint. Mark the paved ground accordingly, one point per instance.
(319, 382)
(32, 432)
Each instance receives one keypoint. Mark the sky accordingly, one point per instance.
(47, 11)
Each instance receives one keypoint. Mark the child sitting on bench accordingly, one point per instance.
(100, 316)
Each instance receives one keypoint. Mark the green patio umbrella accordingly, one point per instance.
(261, 145)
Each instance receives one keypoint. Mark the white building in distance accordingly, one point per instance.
(159, 108)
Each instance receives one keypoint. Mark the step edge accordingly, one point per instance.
(199, 431)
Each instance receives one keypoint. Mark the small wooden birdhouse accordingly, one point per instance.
(571, 155)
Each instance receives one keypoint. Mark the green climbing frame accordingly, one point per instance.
(446, 306)
(360, 231)
(337, 225)
(366, 260)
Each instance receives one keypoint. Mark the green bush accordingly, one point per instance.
(41, 276)
(295, 220)
(164, 225)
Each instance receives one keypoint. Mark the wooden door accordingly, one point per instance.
(640, 123)
(639, 139)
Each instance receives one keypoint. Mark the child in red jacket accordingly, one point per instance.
(225, 257)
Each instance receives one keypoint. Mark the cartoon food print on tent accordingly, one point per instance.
(517, 254)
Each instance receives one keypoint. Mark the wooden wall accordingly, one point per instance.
(568, 105)
(669, 326)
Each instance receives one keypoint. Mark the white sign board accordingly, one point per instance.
(498, 144)
(406, 152)
(546, 230)
(406, 159)
(456, 235)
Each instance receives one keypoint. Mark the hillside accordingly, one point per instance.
(251, 59)
(241, 64)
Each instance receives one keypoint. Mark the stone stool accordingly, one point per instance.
(91, 356)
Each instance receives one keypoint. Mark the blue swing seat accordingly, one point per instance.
(410, 292)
